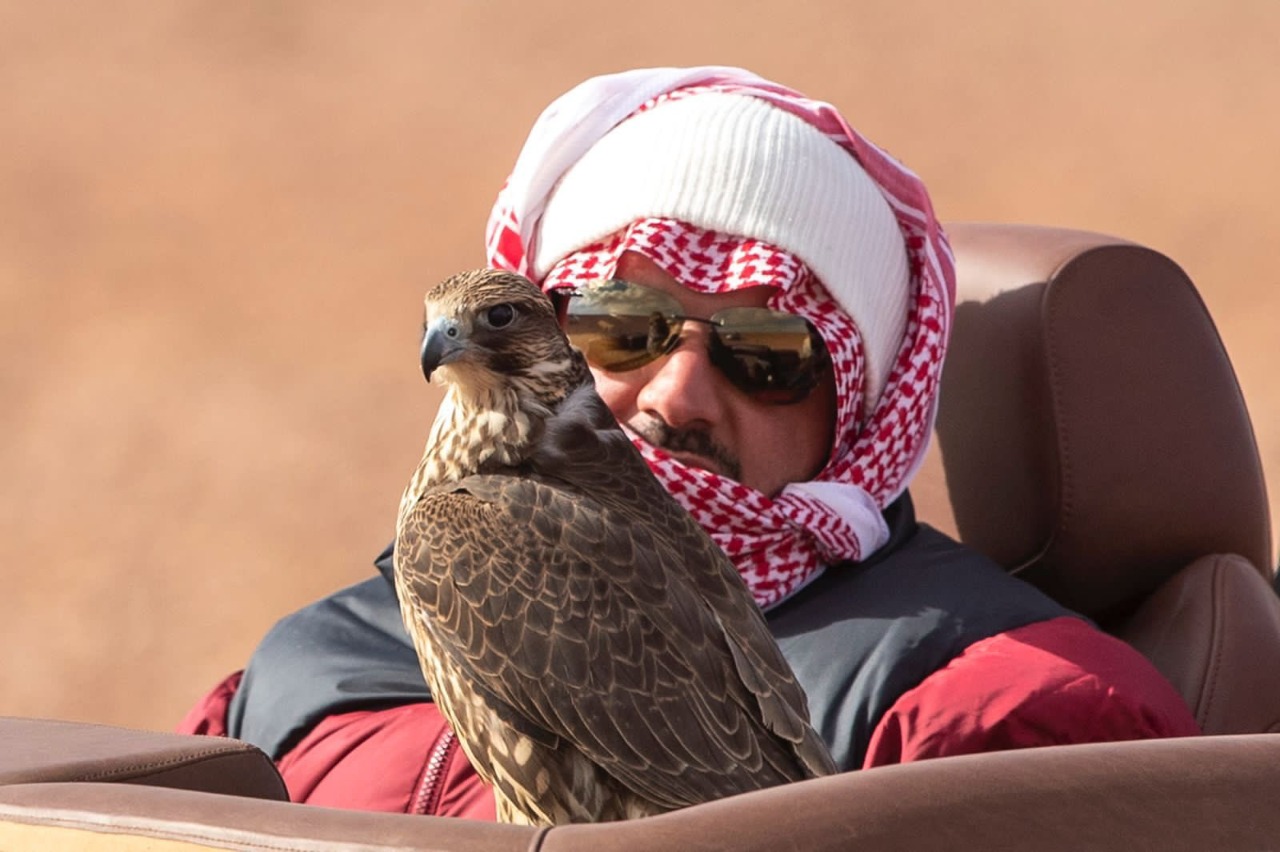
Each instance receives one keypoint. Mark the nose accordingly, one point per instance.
(684, 388)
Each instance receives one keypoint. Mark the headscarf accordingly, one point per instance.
(778, 543)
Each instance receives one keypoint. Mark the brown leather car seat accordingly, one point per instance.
(1092, 438)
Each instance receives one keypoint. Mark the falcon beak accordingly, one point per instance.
(442, 342)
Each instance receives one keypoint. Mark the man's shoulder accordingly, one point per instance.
(863, 634)
(921, 575)
(346, 651)
(367, 607)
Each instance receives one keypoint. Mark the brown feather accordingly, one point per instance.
(597, 654)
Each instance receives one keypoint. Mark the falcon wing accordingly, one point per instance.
(583, 445)
(585, 617)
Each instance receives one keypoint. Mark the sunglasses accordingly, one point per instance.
(774, 357)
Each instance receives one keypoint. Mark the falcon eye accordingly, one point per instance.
(500, 316)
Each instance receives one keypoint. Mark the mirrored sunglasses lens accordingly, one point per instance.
(621, 326)
(774, 356)
(619, 343)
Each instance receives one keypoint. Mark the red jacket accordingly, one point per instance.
(940, 653)
(401, 759)
(405, 759)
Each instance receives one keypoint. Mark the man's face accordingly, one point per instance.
(708, 422)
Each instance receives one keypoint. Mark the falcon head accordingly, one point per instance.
(488, 330)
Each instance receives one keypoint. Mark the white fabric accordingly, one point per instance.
(737, 165)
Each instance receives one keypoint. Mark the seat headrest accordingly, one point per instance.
(1091, 434)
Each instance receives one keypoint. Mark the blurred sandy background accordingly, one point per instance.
(217, 218)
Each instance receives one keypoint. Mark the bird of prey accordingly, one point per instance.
(596, 653)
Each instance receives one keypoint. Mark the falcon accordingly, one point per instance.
(596, 653)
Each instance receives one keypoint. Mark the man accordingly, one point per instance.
(765, 300)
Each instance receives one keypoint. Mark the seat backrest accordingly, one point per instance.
(1091, 436)
(1093, 439)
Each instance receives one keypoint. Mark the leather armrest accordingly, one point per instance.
(112, 817)
(34, 750)
(1185, 794)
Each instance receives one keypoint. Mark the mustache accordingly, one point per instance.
(686, 440)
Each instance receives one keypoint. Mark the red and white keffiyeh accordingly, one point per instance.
(778, 543)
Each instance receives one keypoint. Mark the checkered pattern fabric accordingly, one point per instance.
(778, 543)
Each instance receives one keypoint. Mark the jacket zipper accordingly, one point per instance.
(430, 790)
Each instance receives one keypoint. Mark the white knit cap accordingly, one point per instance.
(735, 164)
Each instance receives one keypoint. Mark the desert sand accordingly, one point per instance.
(219, 217)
